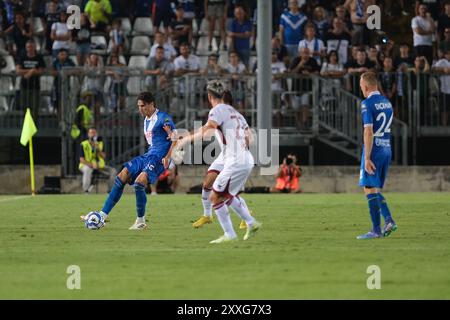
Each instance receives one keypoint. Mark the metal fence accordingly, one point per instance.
(326, 109)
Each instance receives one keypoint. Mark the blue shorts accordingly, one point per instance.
(151, 165)
(381, 163)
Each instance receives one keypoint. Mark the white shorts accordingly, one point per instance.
(217, 165)
(231, 180)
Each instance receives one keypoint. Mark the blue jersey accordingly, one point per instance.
(158, 144)
(377, 111)
(293, 27)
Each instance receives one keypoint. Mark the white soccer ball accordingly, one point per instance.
(94, 221)
(177, 156)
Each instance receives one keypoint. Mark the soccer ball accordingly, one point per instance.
(94, 221)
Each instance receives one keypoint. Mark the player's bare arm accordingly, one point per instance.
(368, 143)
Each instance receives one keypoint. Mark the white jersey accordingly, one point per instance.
(231, 134)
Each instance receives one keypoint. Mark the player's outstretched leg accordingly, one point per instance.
(115, 194)
(141, 202)
(374, 209)
(238, 204)
(243, 224)
(223, 216)
(206, 202)
(389, 223)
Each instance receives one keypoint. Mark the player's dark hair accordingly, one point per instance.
(227, 97)
(147, 97)
(215, 88)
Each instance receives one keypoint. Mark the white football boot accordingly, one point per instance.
(251, 230)
(139, 224)
(224, 238)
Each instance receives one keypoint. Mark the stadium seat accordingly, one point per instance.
(194, 27)
(10, 65)
(137, 62)
(223, 58)
(37, 41)
(74, 59)
(203, 61)
(143, 26)
(134, 85)
(3, 50)
(100, 45)
(252, 62)
(38, 28)
(140, 45)
(46, 84)
(72, 47)
(4, 106)
(126, 25)
(203, 43)
(48, 59)
(6, 86)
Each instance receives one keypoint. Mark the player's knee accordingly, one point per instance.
(142, 179)
(124, 175)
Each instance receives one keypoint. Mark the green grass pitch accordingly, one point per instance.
(305, 250)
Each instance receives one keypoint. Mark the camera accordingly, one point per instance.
(289, 161)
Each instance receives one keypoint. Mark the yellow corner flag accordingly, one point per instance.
(28, 131)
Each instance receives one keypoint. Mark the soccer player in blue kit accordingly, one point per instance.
(145, 169)
(377, 115)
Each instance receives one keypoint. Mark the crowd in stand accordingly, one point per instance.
(328, 38)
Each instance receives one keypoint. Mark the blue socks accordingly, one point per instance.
(384, 209)
(374, 209)
(141, 199)
(114, 195)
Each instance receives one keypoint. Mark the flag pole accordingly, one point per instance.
(31, 166)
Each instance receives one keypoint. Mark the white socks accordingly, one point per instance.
(206, 203)
(224, 219)
(238, 204)
(140, 219)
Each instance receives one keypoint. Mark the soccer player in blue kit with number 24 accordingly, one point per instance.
(377, 115)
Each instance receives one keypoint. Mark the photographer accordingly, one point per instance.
(288, 176)
(92, 157)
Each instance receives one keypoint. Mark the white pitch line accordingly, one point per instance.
(15, 198)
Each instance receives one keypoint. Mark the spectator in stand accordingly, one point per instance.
(186, 62)
(60, 34)
(388, 79)
(356, 68)
(374, 57)
(240, 32)
(315, 45)
(180, 29)
(434, 7)
(320, 22)
(216, 10)
(337, 39)
(443, 67)
(444, 21)
(189, 9)
(288, 176)
(237, 69)
(404, 57)
(51, 16)
(158, 70)
(118, 89)
(117, 37)
(420, 81)
(161, 41)
(423, 28)
(62, 61)
(212, 68)
(99, 14)
(30, 66)
(303, 65)
(278, 86)
(292, 23)
(280, 49)
(332, 68)
(11, 7)
(93, 83)
(138, 8)
(342, 14)
(358, 15)
(161, 13)
(82, 38)
(20, 32)
(444, 45)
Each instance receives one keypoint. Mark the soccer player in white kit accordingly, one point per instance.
(213, 171)
(238, 163)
